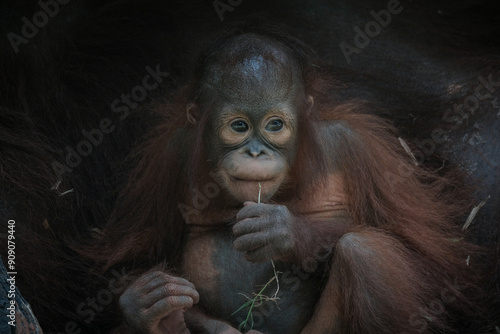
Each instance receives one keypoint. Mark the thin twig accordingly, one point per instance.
(56, 188)
(473, 213)
(408, 150)
(275, 295)
(252, 303)
(260, 190)
(259, 297)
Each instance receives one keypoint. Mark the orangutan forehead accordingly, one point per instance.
(258, 76)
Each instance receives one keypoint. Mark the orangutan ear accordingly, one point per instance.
(309, 104)
(192, 112)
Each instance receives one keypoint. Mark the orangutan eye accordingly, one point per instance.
(275, 125)
(239, 126)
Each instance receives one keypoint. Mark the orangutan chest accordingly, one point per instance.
(226, 282)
